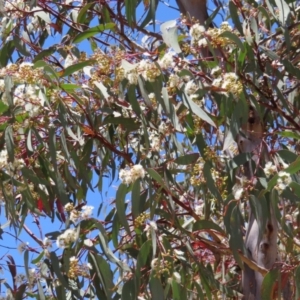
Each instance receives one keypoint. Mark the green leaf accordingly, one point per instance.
(287, 155)
(260, 210)
(70, 87)
(9, 141)
(50, 70)
(41, 14)
(197, 110)
(74, 68)
(102, 89)
(103, 272)
(130, 11)
(156, 289)
(38, 258)
(26, 260)
(234, 38)
(3, 108)
(291, 169)
(268, 284)
(56, 269)
(40, 291)
(187, 159)
(254, 27)
(6, 52)
(235, 17)
(154, 175)
(60, 188)
(169, 109)
(297, 282)
(29, 141)
(151, 14)
(129, 290)
(52, 147)
(43, 54)
(128, 124)
(169, 35)
(210, 182)
(82, 16)
(121, 208)
(20, 45)
(207, 225)
(131, 95)
(284, 11)
(135, 198)
(92, 32)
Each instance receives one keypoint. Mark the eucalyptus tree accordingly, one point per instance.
(195, 120)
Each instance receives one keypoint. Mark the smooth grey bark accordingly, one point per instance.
(194, 8)
(263, 248)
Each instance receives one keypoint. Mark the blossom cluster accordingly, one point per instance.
(130, 175)
(77, 269)
(16, 8)
(79, 215)
(199, 35)
(68, 237)
(283, 181)
(226, 83)
(270, 169)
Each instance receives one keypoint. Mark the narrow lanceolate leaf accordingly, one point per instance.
(169, 34)
(9, 141)
(29, 140)
(291, 169)
(187, 159)
(170, 111)
(129, 290)
(21, 291)
(207, 225)
(268, 284)
(135, 198)
(235, 17)
(103, 272)
(52, 147)
(121, 207)
(156, 289)
(197, 110)
(41, 291)
(92, 32)
(74, 68)
(284, 11)
(297, 282)
(155, 176)
(55, 264)
(26, 261)
(233, 38)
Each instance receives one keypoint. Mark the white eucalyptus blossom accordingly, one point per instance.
(191, 88)
(130, 175)
(196, 32)
(167, 61)
(177, 277)
(22, 247)
(270, 169)
(68, 237)
(283, 181)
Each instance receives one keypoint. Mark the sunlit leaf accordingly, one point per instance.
(169, 34)
(92, 32)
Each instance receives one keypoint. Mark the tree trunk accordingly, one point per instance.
(261, 250)
(194, 9)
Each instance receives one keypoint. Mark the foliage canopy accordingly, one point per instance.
(92, 94)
